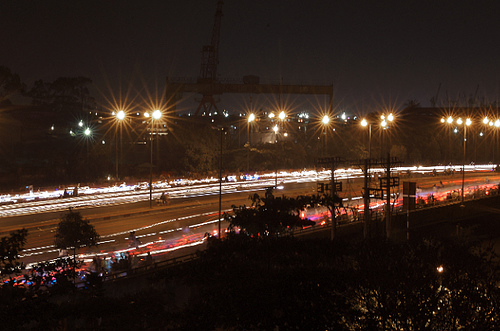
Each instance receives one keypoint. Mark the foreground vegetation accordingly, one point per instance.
(243, 283)
(260, 277)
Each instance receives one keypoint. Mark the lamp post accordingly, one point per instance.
(385, 121)
(497, 125)
(120, 116)
(325, 120)
(282, 116)
(87, 133)
(156, 115)
(467, 123)
(493, 124)
(365, 123)
(275, 129)
(220, 182)
(449, 121)
(251, 118)
(384, 124)
(486, 123)
(367, 180)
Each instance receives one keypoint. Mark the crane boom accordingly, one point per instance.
(210, 53)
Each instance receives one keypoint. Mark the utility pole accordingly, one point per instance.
(388, 199)
(381, 190)
(366, 200)
(335, 187)
(222, 132)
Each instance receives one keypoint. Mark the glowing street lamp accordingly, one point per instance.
(386, 120)
(465, 124)
(365, 123)
(384, 123)
(492, 124)
(282, 115)
(251, 118)
(120, 116)
(325, 121)
(448, 121)
(156, 115)
(275, 129)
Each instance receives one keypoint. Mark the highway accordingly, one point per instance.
(192, 210)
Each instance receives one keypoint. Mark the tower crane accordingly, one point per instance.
(209, 62)
(208, 85)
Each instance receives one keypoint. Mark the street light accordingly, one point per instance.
(325, 120)
(384, 124)
(220, 182)
(120, 116)
(465, 124)
(275, 129)
(448, 121)
(365, 123)
(282, 115)
(156, 115)
(251, 118)
(493, 124)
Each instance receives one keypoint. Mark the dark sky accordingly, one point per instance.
(374, 52)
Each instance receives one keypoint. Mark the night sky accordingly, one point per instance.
(373, 52)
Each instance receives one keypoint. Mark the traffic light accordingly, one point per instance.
(321, 187)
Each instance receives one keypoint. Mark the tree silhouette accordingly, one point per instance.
(269, 215)
(10, 248)
(74, 232)
(10, 83)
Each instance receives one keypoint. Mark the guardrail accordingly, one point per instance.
(152, 267)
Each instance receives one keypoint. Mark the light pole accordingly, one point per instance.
(384, 124)
(493, 124)
(385, 121)
(449, 121)
(467, 123)
(497, 125)
(120, 116)
(282, 117)
(156, 115)
(325, 120)
(87, 136)
(220, 182)
(486, 123)
(275, 129)
(365, 123)
(251, 118)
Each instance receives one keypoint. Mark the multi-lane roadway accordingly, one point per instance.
(192, 208)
